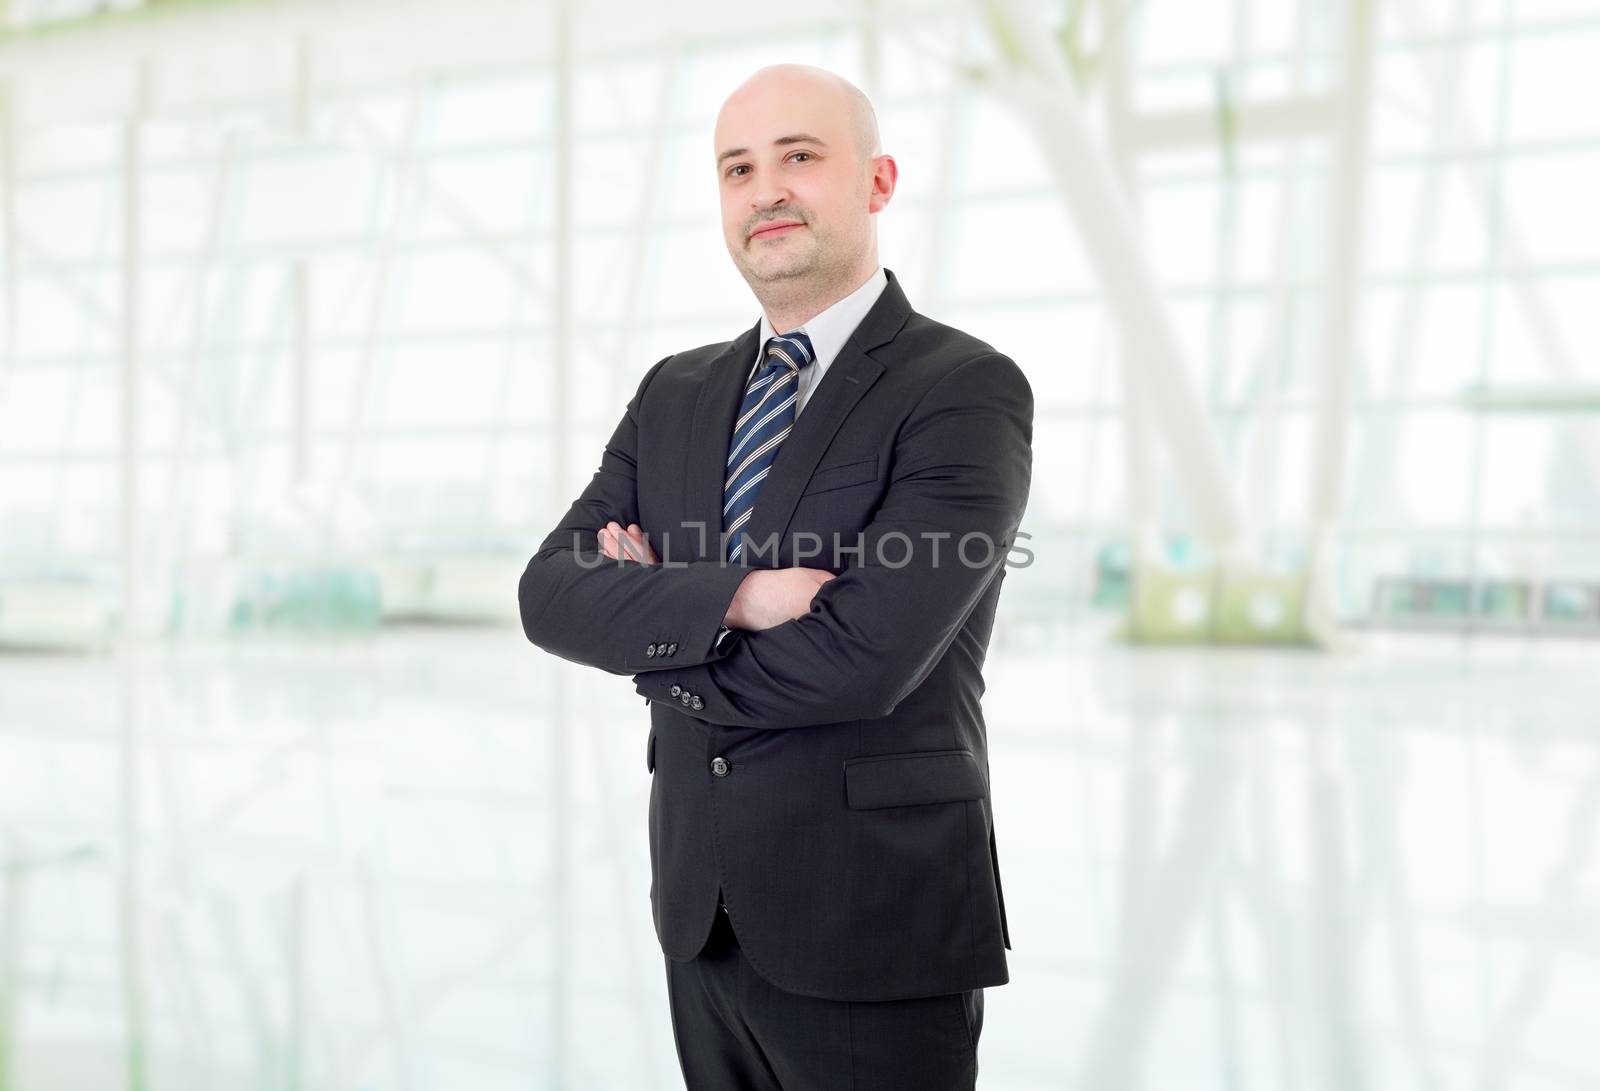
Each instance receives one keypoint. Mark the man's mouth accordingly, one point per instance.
(774, 229)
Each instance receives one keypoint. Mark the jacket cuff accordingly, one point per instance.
(693, 632)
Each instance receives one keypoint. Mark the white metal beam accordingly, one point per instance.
(8, 234)
(1138, 430)
(941, 205)
(1341, 308)
(562, 364)
(130, 307)
(300, 288)
(1283, 119)
(130, 909)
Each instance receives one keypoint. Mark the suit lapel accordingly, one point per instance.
(848, 378)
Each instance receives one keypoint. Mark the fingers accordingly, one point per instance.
(617, 543)
(635, 545)
(611, 543)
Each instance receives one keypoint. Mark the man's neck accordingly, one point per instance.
(789, 312)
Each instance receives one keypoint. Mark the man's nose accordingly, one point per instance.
(768, 195)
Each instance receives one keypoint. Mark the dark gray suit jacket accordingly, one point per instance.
(847, 822)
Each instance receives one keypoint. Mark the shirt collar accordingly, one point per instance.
(829, 330)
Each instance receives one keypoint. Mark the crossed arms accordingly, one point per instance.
(849, 647)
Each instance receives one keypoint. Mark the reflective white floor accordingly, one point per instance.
(373, 864)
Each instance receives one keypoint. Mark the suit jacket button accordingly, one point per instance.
(684, 697)
(696, 703)
(675, 690)
(650, 652)
(672, 649)
(720, 766)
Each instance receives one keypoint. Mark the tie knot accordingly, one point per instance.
(790, 349)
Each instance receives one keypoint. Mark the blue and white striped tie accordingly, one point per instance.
(764, 422)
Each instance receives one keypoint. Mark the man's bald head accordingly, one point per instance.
(800, 177)
(817, 84)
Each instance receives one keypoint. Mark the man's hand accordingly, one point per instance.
(767, 597)
(771, 596)
(631, 544)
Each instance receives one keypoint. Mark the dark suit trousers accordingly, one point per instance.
(737, 1032)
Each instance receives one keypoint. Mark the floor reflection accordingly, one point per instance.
(374, 864)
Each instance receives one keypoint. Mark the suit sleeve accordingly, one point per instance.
(962, 466)
(582, 606)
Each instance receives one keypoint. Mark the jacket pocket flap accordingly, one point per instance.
(906, 780)
(854, 472)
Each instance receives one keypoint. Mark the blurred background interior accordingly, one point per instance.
(316, 316)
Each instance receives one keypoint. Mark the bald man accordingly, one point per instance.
(794, 544)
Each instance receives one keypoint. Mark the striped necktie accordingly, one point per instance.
(764, 422)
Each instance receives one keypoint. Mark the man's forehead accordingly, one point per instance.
(764, 127)
(756, 116)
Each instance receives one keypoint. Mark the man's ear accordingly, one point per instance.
(885, 174)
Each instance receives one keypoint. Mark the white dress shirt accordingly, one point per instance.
(828, 333)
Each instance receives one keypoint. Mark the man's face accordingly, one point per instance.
(796, 190)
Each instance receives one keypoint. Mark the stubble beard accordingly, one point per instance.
(795, 278)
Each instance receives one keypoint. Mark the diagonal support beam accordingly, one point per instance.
(1037, 84)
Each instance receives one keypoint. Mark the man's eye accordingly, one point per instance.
(797, 155)
(733, 171)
